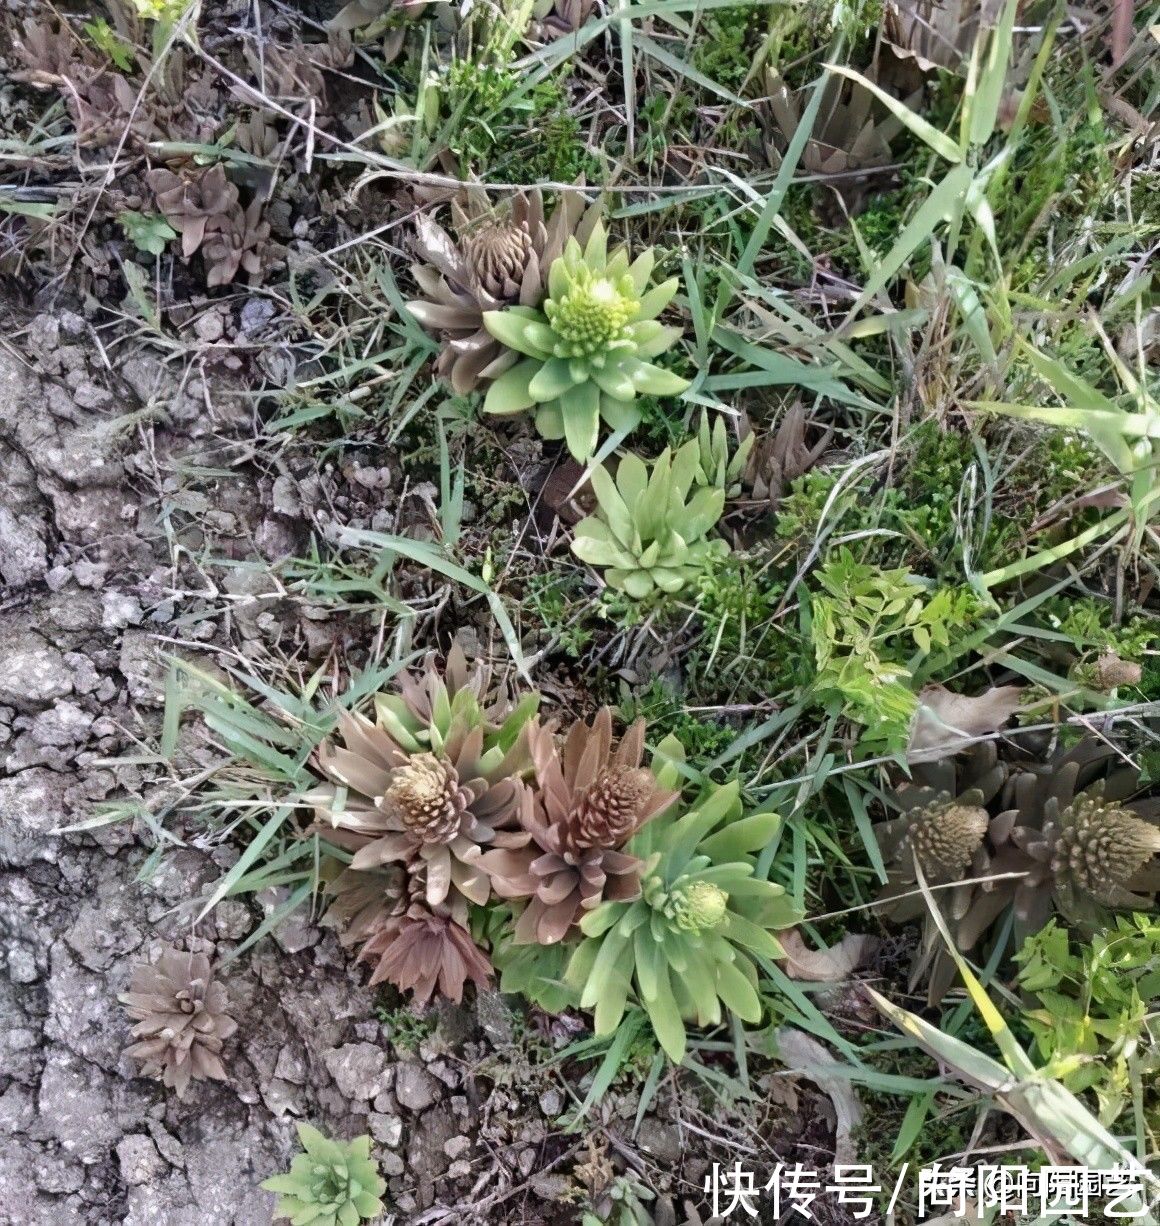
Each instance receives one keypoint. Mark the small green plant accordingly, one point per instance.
(647, 533)
(1092, 1022)
(585, 352)
(110, 43)
(622, 1203)
(406, 1028)
(688, 944)
(148, 232)
(864, 623)
(720, 466)
(333, 1183)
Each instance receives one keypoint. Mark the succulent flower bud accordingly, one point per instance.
(1099, 847)
(698, 906)
(609, 811)
(497, 255)
(945, 836)
(591, 313)
(426, 796)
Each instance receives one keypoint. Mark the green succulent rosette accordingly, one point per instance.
(586, 352)
(687, 946)
(334, 1183)
(647, 533)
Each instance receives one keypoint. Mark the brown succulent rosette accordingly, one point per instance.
(588, 802)
(181, 1019)
(415, 946)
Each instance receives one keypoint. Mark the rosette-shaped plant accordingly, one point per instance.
(942, 827)
(850, 143)
(586, 352)
(334, 1183)
(589, 801)
(942, 823)
(429, 784)
(1090, 849)
(1056, 836)
(687, 945)
(412, 944)
(498, 257)
(647, 533)
(181, 1019)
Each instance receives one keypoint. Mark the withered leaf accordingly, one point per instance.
(825, 965)
(947, 722)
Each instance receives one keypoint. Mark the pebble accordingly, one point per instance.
(415, 1088)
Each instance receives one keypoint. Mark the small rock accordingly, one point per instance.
(459, 1170)
(392, 1166)
(31, 672)
(22, 553)
(457, 1147)
(291, 1066)
(139, 1159)
(284, 497)
(56, 578)
(415, 1088)
(551, 1103)
(64, 725)
(357, 1069)
(387, 1129)
(89, 574)
(22, 966)
(494, 1017)
(209, 327)
(119, 610)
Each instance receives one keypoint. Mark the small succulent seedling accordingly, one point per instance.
(334, 1183)
(586, 352)
(647, 533)
(148, 232)
(720, 466)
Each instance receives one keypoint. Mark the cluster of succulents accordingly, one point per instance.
(458, 827)
(545, 315)
(1024, 840)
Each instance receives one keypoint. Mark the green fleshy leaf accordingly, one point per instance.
(746, 933)
(550, 421)
(635, 583)
(666, 1018)
(510, 328)
(657, 298)
(613, 382)
(655, 380)
(580, 407)
(670, 581)
(737, 993)
(619, 414)
(552, 380)
(641, 269)
(596, 250)
(509, 393)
